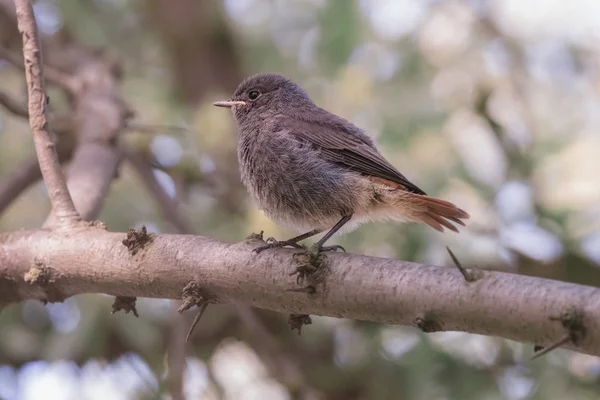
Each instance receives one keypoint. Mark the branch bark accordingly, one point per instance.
(62, 204)
(52, 266)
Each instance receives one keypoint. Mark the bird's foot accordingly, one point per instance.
(272, 243)
(334, 247)
(311, 263)
(307, 264)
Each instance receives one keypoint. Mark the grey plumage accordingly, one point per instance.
(308, 168)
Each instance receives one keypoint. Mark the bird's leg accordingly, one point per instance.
(293, 242)
(314, 257)
(332, 231)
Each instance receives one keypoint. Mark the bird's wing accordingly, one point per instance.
(342, 143)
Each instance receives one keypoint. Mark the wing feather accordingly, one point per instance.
(342, 143)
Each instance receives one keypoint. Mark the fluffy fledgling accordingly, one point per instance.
(313, 171)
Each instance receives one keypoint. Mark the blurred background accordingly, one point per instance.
(494, 105)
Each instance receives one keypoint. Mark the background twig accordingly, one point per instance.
(168, 206)
(52, 75)
(24, 175)
(13, 105)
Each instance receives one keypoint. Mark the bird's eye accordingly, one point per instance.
(253, 94)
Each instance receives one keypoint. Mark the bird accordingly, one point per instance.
(312, 171)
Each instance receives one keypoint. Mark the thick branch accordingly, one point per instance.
(52, 266)
(62, 204)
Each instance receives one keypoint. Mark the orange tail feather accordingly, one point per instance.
(440, 213)
(436, 213)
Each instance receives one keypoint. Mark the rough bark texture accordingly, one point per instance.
(52, 266)
(62, 204)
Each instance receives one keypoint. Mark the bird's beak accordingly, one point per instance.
(229, 103)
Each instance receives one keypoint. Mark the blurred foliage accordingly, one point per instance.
(491, 104)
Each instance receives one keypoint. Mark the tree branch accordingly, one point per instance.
(52, 266)
(62, 204)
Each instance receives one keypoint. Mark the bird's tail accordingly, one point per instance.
(440, 214)
(436, 213)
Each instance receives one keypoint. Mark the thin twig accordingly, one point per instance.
(555, 345)
(469, 276)
(24, 175)
(11, 58)
(196, 320)
(61, 201)
(20, 179)
(14, 106)
(156, 129)
(28, 172)
(168, 206)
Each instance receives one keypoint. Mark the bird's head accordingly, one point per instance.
(265, 94)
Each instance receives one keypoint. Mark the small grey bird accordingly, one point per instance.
(312, 171)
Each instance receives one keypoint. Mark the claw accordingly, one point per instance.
(334, 247)
(261, 248)
(272, 243)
